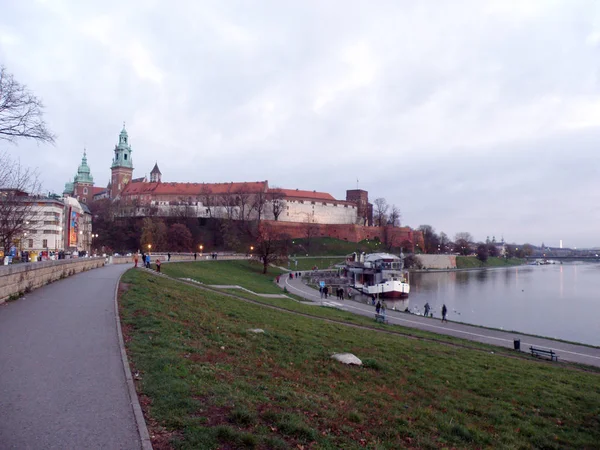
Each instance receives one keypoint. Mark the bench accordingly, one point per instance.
(380, 318)
(541, 352)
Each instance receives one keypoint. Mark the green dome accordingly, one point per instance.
(69, 188)
(123, 151)
(83, 172)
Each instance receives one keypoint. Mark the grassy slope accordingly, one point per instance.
(326, 246)
(239, 272)
(212, 384)
(250, 276)
(468, 262)
(309, 263)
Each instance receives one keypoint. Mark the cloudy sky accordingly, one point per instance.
(480, 116)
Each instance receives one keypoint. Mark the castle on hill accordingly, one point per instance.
(254, 200)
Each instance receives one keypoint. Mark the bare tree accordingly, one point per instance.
(244, 202)
(229, 203)
(276, 198)
(381, 208)
(270, 245)
(394, 216)
(311, 230)
(21, 112)
(208, 199)
(259, 203)
(464, 236)
(17, 184)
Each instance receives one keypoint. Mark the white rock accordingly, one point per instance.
(347, 358)
(256, 330)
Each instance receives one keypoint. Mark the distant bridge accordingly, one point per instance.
(563, 258)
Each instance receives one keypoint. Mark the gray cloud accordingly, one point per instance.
(469, 115)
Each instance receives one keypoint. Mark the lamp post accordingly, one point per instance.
(251, 250)
(201, 247)
(149, 247)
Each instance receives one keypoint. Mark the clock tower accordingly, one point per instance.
(122, 165)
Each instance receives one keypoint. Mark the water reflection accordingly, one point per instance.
(526, 298)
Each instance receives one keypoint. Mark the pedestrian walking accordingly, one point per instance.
(321, 291)
(427, 308)
(444, 312)
(147, 261)
(378, 307)
(195, 256)
(135, 260)
(168, 257)
(158, 265)
(373, 299)
(277, 279)
(325, 291)
(383, 308)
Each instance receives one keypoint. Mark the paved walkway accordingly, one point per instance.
(566, 352)
(62, 384)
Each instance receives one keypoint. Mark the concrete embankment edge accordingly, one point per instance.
(135, 402)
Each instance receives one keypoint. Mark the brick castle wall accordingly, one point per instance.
(350, 232)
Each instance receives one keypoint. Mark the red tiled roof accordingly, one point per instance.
(189, 189)
(97, 190)
(312, 195)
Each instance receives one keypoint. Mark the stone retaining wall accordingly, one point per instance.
(18, 279)
(438, 261)
(175, 257)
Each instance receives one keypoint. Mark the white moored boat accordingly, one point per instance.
(379, 274)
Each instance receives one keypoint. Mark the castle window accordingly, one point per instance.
(125, 156)
(85, 190)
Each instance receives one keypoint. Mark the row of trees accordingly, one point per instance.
(464, 244)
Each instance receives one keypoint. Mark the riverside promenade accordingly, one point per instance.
(62, 383)
(566, 352)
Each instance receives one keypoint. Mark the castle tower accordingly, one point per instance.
(122, 165)
(83, 182)
(364, 208)
(155, 175)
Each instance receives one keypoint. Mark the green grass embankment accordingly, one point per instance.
(326, 246)
(471, 262)
(309, 263)
(207, 382)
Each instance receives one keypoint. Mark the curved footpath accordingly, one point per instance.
(62, 383)
(565, 351)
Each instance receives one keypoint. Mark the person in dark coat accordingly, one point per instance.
(427, 308)
(444, 312)
(378, 307)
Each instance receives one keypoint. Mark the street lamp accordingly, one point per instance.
(149, 247)
(201, 247)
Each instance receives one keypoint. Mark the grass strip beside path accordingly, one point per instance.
(206, 382)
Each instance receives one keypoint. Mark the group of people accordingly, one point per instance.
(146, 261)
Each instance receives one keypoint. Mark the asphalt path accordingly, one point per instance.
(62, 384)
(565, 351)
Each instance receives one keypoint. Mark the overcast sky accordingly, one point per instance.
(480, 116)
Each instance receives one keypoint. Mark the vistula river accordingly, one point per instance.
(560, 301)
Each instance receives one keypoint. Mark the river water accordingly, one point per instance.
(559, 301)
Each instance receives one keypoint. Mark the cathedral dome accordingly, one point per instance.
(83, 172)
